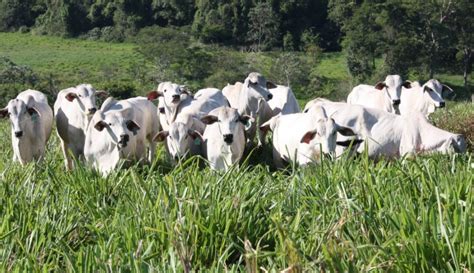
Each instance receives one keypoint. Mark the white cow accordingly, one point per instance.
(161, 114)
(223, 138)
(31, 122)
(424, 99)
(392, 136)
(175, 98)
(121, 130)
(73, 110)
(303, 137)
(384, 95)
(250, 98)
(283, 101)
(180, 137)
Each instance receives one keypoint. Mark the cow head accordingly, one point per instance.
(458, 144)
(118, 127)
(433, 91)
(172, 93)
(230, 123)
(180, 137)
(20, 114)
(85, 97)
(255, 82)
(393, 85)
(325, 135)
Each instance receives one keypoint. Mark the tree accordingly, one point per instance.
(462, 24)
(263, 27)
(15, 13)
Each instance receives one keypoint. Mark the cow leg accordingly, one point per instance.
(67, 158)
(277, 160)
(152, 150)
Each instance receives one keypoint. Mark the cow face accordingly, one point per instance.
(118, 128)
(458, 144)
(229, 122)
(255, 82)
(393, 85)
(85, 96)
(172, 93)
(20, 114)
(324, 135)
(179, 139)
(433, 91)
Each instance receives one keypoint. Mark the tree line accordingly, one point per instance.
(412, 37)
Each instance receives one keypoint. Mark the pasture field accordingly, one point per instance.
(408, 215)
(71, 60)
(350, 215)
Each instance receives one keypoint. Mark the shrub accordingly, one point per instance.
(119, 90)
(458, 118)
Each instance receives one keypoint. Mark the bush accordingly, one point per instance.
(119, 90)
(459, 119)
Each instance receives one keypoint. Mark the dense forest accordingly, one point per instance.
(410, 37)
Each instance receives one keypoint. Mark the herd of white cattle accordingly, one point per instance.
(386, 120)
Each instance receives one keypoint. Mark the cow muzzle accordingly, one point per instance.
(176, 98)
(92, 111)
(396, 102)
(229, 138)
(123, 141)
(442, 104)
(18, 134)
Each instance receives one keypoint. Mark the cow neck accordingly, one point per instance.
(391, 108)
(246, 98)
(431, 136)
(172, 113)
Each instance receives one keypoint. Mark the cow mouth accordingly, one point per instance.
(121, 145)
(175, 100)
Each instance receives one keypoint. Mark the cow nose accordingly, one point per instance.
(124, 139)
(396, 102)
(176, 97)
(229, 138)
(19, 134)
(270, 96)
(92, 110)
(442, 104)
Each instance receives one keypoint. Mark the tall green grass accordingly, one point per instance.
(350, 215)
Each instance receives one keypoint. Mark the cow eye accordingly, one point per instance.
(110, 124)
(165, 90)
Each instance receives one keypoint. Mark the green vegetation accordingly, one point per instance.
(349, 215)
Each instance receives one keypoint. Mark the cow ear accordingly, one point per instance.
(308, 137)
(271, 85)
(407, 84)
(195, 134)
(447, 88)
(4, 112)
(209, 119)
(100, 125)
(102, 94)
(153, 95)
(132, 126)
(71, 96)
(32, 111)
(245, 119)
(345, 131)
(184, 89)
(380, 85)
(349, 142)
(161, 136)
